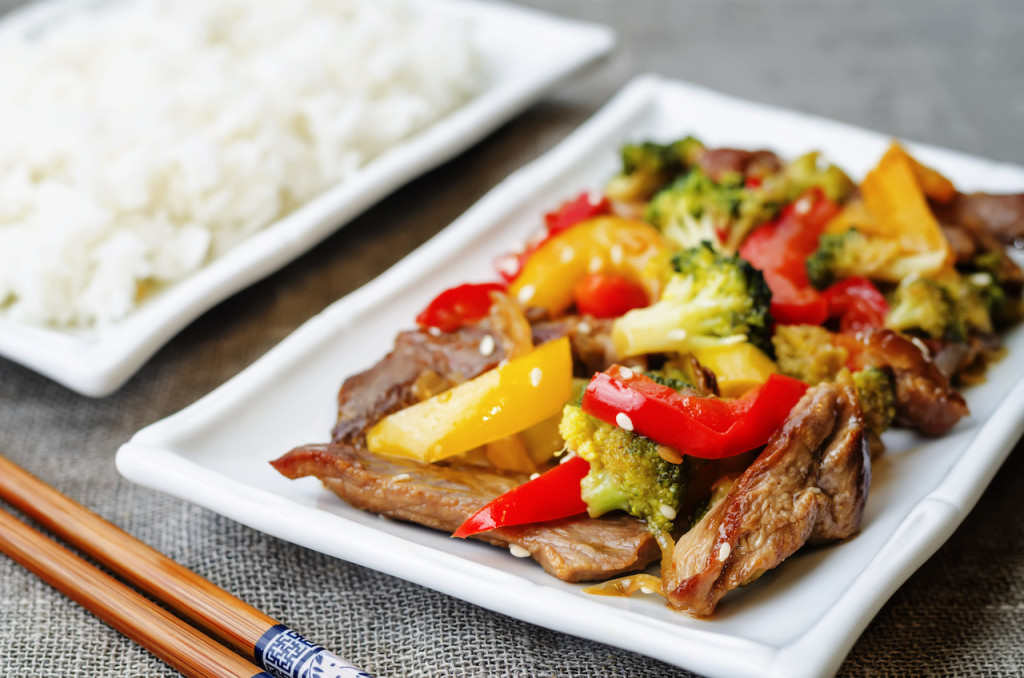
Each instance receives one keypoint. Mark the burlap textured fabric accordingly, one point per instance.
(943, 72)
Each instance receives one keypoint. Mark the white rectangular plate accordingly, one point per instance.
(215, 452)
(525, 53)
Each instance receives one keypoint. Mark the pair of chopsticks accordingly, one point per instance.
(254, 645)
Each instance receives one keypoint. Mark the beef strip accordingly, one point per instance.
(999, 215)
(443, 497)
(809, 485)
(925, 400)
(717, 162)
(590, 339)
(391, 384)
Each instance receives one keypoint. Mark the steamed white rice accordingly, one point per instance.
(140, 141)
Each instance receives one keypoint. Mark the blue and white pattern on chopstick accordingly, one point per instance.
(286, 654)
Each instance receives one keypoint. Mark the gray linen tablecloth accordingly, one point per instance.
(944, 72)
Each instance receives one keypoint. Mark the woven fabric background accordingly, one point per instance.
(945, 72)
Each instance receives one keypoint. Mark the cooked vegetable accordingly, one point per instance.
(458, 306)
(627, 472)
(607, 244)
(737, 367)
(856, 303)
(648, 167)
(706, 427)
(552, 495)
(841, 255)
(898, 235)
(779, 249)
(603, 295)
(711, 299)
(877, 395)
(950, 308)
(585, 206)
(498, 403)
(808, 353)
(698, 209)
(808, 171)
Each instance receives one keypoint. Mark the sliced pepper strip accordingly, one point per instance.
(780, 248)
(459, 305)
(506, 400)
(554, 494)
(710, 428)
(857, 303)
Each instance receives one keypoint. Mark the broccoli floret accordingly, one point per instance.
(626, 471)
(808, 171)
(924, 306)
(877, 395)
(991, 272)
(696, 208)
(711, 299)
(834, 257)
(951, 308)
(648, 167)
(807, 353)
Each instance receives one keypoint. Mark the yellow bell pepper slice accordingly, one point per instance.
(606, 244)
(510, 454)
(494, 405)
(894, 198)
(737, 367)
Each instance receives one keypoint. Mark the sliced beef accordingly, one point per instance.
(999, 215)
(590, 339)
(717, 162)
(808, 485)
(418, 360)
(925, 400)
(443, 497)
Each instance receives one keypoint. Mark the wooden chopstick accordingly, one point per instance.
(160, 632)
(272, 645)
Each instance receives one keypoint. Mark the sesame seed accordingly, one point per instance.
(401, 477)
(723, 552)
(645, 589)
(625, 582)
(626, 373)
(434, 331)
(583, 327)
(534, 476)
(518, 551)
(487, 345)
(667, 511)
(669, 454)
(678, 334)
(623, 421)
(536, 374)
(566, 457)
(526, 293)
(567, 254)
(802, 206)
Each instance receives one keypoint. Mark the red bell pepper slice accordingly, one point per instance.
(706, 427)
(551, 495)
(604, 295)
(572, 212)
(780, 248)
(459, 305)
(857, 303)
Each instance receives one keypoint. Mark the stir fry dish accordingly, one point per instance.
(693, 368)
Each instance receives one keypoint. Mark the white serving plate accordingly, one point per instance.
(525, 54)
(799, 620)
